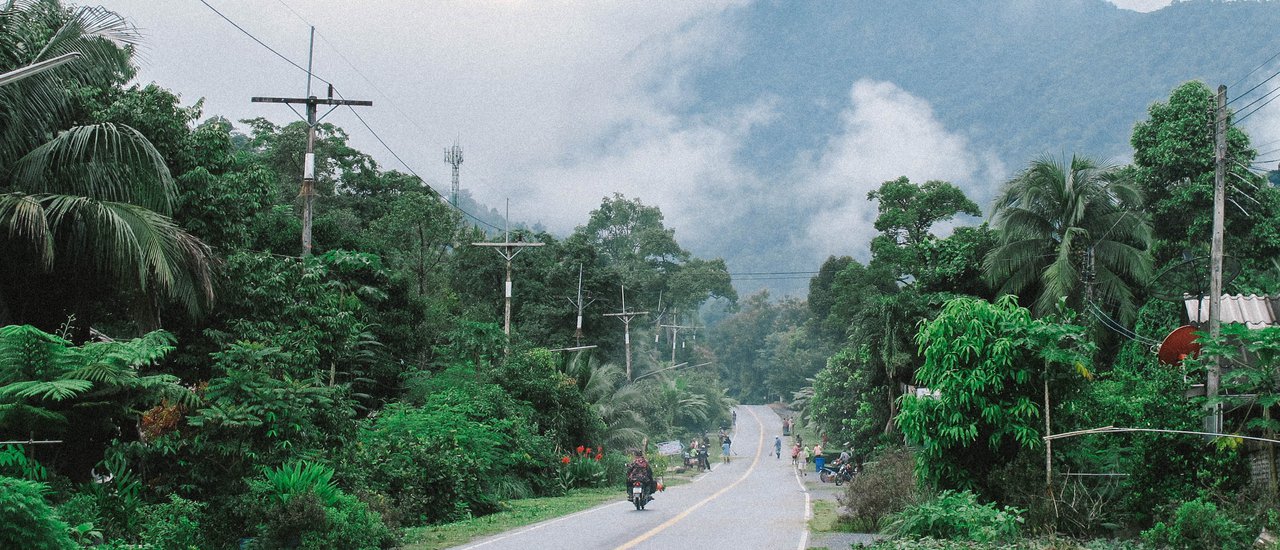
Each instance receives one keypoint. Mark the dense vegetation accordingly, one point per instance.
(203, 384)
(948, 359)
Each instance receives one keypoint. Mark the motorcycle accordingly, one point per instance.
(839, 473)
(639, 495)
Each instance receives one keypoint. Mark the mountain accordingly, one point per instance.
(1015, 78)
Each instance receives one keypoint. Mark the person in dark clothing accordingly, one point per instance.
(639, 470)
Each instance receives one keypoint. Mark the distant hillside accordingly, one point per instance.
(1018, 78)
(1021, 77)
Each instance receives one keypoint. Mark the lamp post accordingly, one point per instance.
(36, 68)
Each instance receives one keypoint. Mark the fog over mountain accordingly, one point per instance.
(849, 94)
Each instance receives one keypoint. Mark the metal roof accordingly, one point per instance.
(1253, 311)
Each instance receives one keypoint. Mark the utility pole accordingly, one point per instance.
(675, 332)
(1214, 421)
(626, 317)
(308, 191)
(508, 250)
(577, 333)
(453, 156)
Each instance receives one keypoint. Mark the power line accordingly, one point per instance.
(1255, 69)
(1259, 108)
(358, 117)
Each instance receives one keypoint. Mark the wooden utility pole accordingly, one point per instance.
(508, 250)
(626, 317)
(308, 192)
(577, 333)
(1214, 421)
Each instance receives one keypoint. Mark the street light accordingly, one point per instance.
(34, 68)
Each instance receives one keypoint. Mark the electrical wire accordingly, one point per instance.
(358, 117)
(1255, 69)
(1259, 108)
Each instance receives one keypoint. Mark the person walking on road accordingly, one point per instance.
(724, 448)
(808, 456)
(777, 446)
(795, 455)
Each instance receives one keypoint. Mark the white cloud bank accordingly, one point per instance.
(886, 133)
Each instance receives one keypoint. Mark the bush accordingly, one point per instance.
(298, 506)
(173, 525)
(884, 487)
(26, 520)
(956, 516)
(1198, 524)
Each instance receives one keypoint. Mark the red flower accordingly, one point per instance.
(588, 450)
(564, 460)
(598, 457)
(580, 448)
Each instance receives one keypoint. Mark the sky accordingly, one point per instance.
(559, 104)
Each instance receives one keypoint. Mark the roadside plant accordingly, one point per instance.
(27, 521)
(1198, 524)
(957, 516)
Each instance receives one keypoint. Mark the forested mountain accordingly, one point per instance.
(1005, 80)
(1020, 77)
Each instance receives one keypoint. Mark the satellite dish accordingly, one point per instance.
(1178, 345)
(1190, 276)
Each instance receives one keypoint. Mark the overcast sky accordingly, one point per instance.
(558, 104)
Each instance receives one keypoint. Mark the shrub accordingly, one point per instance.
(173, 525)
(298, 506)
(884, 487)
(582, 468)
(1198, 524)
(26, 520)
(956, 516)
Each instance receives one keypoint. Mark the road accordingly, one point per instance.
(756, 501)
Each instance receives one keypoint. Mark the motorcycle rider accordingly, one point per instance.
(639, 470)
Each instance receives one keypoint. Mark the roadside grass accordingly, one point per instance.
(518, 513)
(826, 519)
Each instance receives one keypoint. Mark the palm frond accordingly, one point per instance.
(53, 390)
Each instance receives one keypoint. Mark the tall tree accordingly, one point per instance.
(88, 210)
(1070, 230)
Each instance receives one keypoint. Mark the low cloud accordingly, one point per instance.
(886, 133)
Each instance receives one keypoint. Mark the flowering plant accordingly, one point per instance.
(582, 468)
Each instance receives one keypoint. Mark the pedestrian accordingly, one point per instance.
(724, 449)
(735, 418)
(818, 459)
(777, 446)
(808, 457)
(795, 455)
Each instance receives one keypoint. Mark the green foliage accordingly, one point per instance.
(1067, 226)
(15, 463)
(26, 520)
(887, 485)
(906, 213)
(173, 525)
(956, 516)
(296, 478)
(987, 363)
(1198, 524)
(582, 468)
(299, 506)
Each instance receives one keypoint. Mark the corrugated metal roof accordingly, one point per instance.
(1254, 311)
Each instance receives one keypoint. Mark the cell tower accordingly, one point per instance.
(453, 156)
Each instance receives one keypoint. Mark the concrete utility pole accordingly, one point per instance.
(1214, 421)
(626, 317)
(508, 250)
(308, 191)
(577, 333)
(453, 156)
(675, 332)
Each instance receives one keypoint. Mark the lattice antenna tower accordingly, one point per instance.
(453, 157)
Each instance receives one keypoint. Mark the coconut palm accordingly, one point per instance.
(1073, 231)
(83, 208)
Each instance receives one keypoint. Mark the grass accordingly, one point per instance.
(518, 513)
(826, 519)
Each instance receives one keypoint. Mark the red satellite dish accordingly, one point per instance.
(1178, 345)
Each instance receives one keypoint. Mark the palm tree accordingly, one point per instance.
(83, 208)
(1072, 231)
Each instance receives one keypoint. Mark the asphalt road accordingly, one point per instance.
(755, 501)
